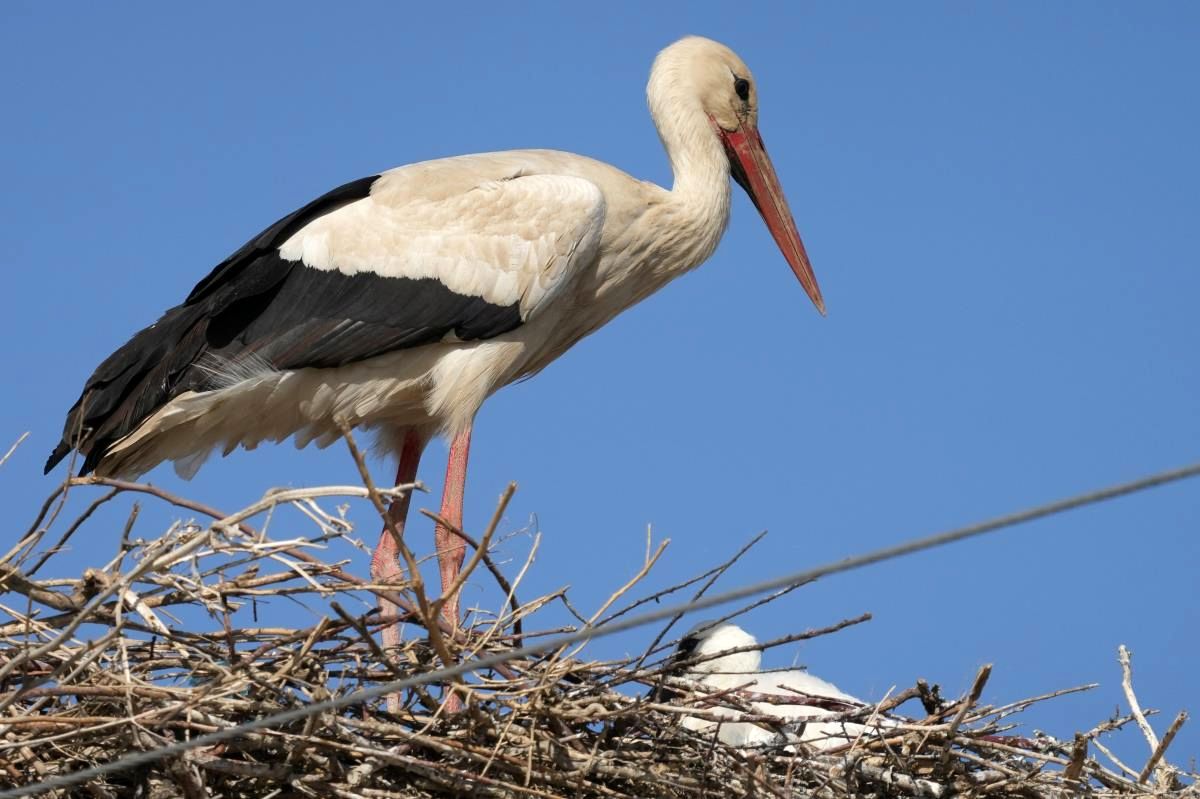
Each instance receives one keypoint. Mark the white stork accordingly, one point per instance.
(401, 301)
(815, 698)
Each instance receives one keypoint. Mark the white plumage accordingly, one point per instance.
(740, 670)
(510, 234)
(508, 240)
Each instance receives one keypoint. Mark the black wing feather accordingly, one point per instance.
(278, 233)
(282, 313)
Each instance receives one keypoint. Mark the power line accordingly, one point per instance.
(488, 661)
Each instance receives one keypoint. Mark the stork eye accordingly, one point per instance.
(742, 87)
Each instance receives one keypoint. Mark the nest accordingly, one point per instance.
(99, 666)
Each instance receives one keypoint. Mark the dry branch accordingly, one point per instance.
(95, 666)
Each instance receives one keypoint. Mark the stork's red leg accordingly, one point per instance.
(385, 563)
(450, 548)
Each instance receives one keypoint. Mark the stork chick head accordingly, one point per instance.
(706, 639)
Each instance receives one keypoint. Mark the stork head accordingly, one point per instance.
(707, 639)
(699, 87)
(712, 75)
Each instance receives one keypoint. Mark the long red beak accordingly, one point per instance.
(751, 168)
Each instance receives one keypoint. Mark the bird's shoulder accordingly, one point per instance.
(506, 227)
(523, 193)
(550, 183)
(456, 176)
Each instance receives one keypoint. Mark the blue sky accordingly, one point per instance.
(1000, 202)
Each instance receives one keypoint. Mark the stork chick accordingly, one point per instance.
(802, 721)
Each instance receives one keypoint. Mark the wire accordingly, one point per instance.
(886, 553)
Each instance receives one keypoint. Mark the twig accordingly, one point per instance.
(1157, 748)
(13, 448)
(713, 575)
(1079, 750)
(75, 525)
(508, 588)
(981, 679)
(480, 551)
(1162, 778)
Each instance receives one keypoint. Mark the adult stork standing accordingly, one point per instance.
(401, 301)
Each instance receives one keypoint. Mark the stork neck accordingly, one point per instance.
(698, 161)
(700, 195)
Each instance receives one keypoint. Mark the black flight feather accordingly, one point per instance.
(256, 305)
